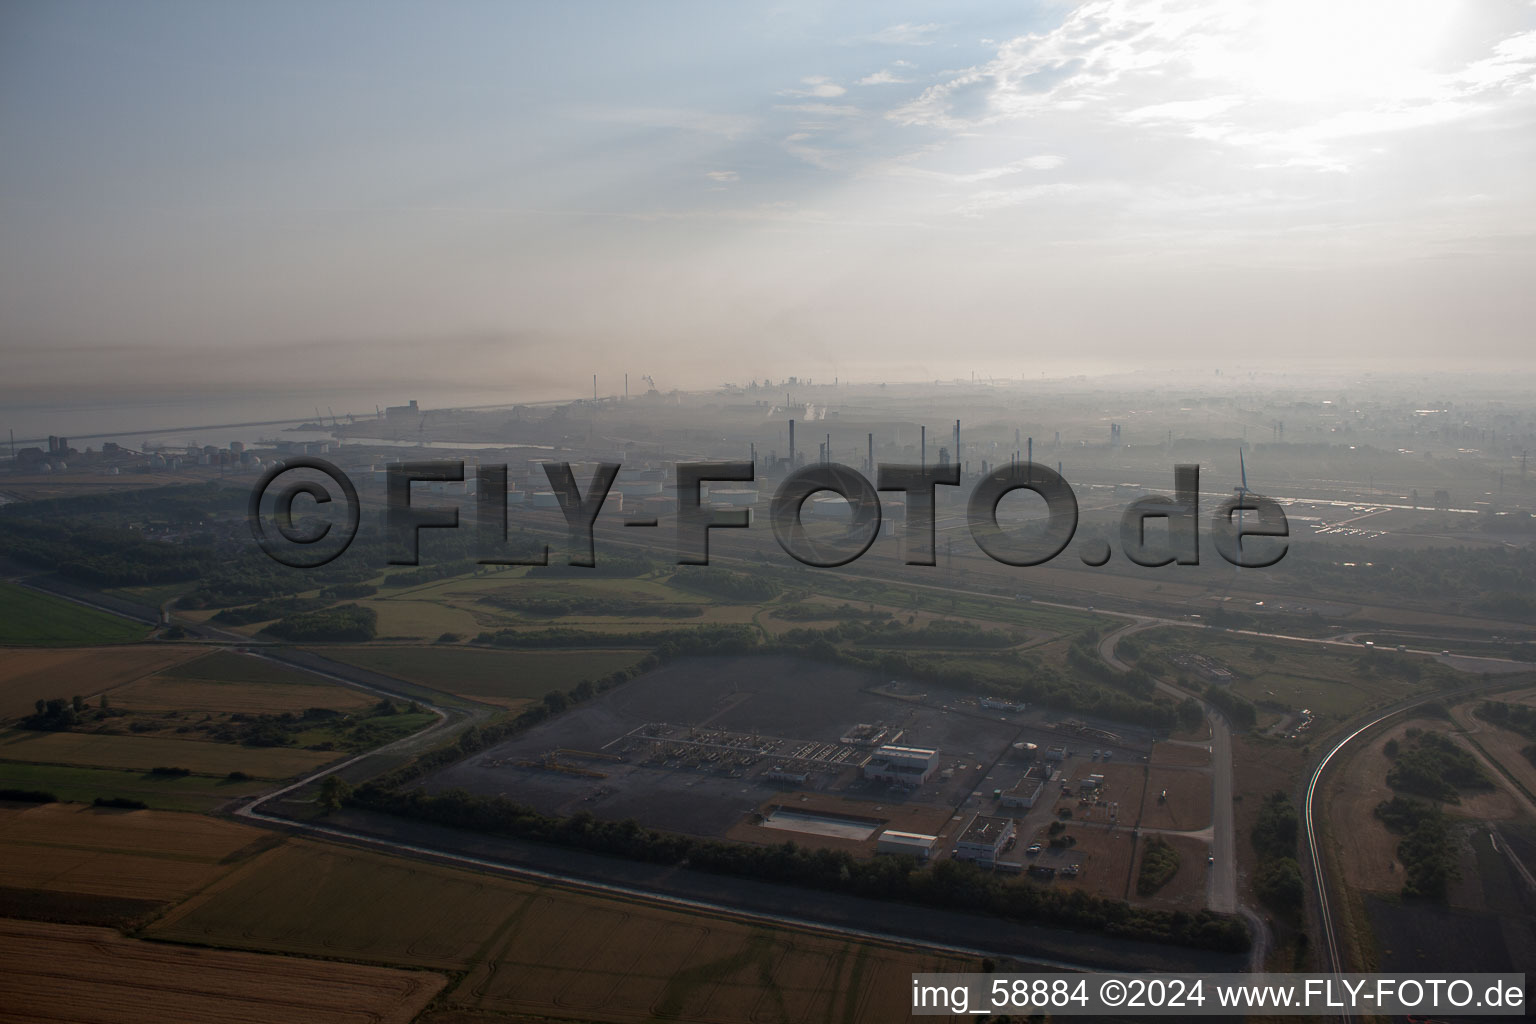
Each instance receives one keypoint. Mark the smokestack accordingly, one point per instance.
(791, 446)
(870, 465)
(594, 389)
(753, 445)
(958, 460)
(923, 448)
(626, 387)
(829, 448)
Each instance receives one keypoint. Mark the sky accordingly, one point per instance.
(221, 196)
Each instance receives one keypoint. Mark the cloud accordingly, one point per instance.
(1041, 162)
(821, 109)
(987, 200)
(821, 87)
(883, 78)
(1289, 77)
(705, 122)
(907, 34)
(722, 176)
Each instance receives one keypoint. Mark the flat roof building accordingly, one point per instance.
(984, 838)
(912, 844)
(906, 766)
(1027, 790)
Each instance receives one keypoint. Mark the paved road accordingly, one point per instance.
(1221, 892)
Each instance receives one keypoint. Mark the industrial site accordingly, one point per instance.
(770, 749)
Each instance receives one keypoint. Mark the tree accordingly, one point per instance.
(555, 701)
(78, 703)
(1278, 884)
(334, 792)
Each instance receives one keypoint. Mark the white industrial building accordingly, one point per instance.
(905, 766)
(984, 839)
(912, 844)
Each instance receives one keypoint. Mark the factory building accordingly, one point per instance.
(912, 844)
(779, 773)
(905, 766)
(984, 839)
(1027, 790)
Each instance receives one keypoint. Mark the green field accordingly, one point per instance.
(189, 793)
(141, 753)
(1327, 680)
(498, 677)
(229, 667)
(33, 618)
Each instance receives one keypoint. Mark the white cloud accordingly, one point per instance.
(722, 176)
(883, 78)
(705, 122)
(988, 200)
(907, 34)
(822, 109)
(1041, 162)
(820, 87)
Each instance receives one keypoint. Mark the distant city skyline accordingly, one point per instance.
(301, 197)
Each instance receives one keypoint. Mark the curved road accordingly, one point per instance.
(1315, 858)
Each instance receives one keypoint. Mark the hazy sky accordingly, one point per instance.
(258, 193)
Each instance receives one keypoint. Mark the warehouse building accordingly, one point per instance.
(912, 844)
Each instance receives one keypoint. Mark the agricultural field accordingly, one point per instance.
(210, 715)
(165, 792)
(507, 678)
(87, 975)
(152, 856)
(232, 667)
(26, 675)
(161, 693)
(28, 617)
(142, 753)
(542, 950)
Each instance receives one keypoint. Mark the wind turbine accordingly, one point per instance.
(1242, 492)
